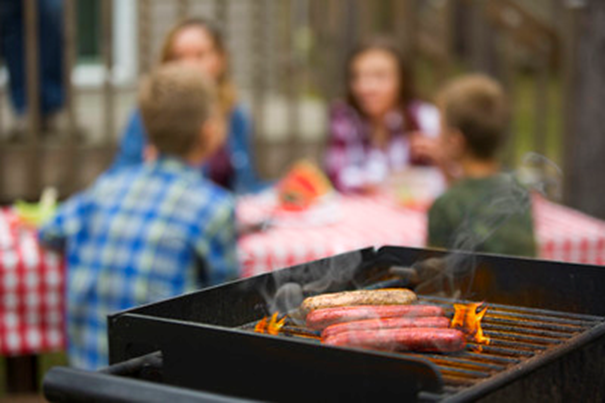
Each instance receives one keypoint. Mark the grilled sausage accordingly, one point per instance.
(387, 296)
(411, 339)
(319, 319)
(386, 323)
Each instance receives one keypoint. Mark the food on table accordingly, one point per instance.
(405, 339)
(36, 214)
(387, 296)
(319, 319)
(302, 186)
(386, 323)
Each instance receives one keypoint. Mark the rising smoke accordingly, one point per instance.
(314, 278)
(444, 276)
(535, 174)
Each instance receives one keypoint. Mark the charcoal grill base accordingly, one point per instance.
(203, 347)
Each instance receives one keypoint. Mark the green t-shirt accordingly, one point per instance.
(490, 214)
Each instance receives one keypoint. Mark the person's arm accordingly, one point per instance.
(132, 145)
(217, 244)
(242, 155)
(425, 144)
(67, 222)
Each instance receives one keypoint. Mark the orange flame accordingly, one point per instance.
(272, 326)
(261, 326)
(467, 319)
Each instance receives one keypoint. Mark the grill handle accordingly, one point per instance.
(136, 367)
(69, 385)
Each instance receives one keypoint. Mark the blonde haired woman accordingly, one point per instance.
(200, 43)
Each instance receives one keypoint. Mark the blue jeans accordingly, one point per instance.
(50, 57)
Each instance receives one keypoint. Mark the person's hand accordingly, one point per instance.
(370, 189)
(150, 153)
(431, 150)
(426, 148)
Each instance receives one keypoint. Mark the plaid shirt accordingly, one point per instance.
(136, 236)
(351, 161)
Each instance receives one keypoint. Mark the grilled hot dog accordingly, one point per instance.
(386, 323)
(410, 339)
(387, 296)
(319, 319)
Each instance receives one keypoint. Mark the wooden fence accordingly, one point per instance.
(288, 59)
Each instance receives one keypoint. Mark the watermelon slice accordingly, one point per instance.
(302, 186)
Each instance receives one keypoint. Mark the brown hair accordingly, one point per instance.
(476, 106)
(225, 89)
(175, 101)
(407, 91)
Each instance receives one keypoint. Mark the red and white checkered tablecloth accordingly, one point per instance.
(31, 292)
(568, 235)
(32, 279)
(562, 233)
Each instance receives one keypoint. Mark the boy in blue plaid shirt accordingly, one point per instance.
(146, 233)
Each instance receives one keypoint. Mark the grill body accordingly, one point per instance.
(198, 342)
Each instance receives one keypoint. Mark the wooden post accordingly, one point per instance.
(260, 82)
(183, 9)
(144, 35)
(2, 91)
(569, 62)
(221, 14)
(507, 50)
(482, 54)
(448, 36)
(585, 163)
(541, 106)
(3, 167)
(69, 58)
(32, 60)
(334, 15)
(107, 54)
(411, 27)
(364, 19)
(291, 80)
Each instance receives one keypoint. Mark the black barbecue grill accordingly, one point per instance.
(546, 322)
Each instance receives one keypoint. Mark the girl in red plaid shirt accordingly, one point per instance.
(381, 127)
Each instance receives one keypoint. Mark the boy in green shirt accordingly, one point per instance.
(485, 210)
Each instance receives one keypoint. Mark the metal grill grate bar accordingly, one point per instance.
(521, 310)
(463, 362)
(522, 338)
(515, 324)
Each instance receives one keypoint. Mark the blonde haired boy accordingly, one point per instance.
(149, 232)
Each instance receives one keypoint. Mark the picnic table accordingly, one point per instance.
(562, 233)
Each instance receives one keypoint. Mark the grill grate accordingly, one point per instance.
(517, 334)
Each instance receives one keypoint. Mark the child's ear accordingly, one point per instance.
(457, 142)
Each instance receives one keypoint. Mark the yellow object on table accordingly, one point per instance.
(36, 214)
